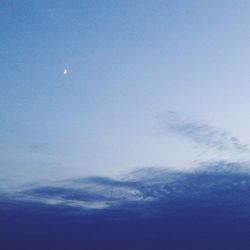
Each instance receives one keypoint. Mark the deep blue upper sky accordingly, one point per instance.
(129, 63)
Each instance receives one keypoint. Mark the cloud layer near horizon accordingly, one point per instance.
(222, 183)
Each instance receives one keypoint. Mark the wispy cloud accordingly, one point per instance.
(202, 133)
(38, 147)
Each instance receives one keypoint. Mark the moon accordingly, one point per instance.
(65, 72)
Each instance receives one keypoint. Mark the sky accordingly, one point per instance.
(105, 87)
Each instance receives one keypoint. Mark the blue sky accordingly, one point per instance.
(147, 81)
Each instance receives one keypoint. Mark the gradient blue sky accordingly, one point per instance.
(147, 82)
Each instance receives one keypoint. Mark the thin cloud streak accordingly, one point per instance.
(204, 134)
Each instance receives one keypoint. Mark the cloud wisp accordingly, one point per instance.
(204, 134)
